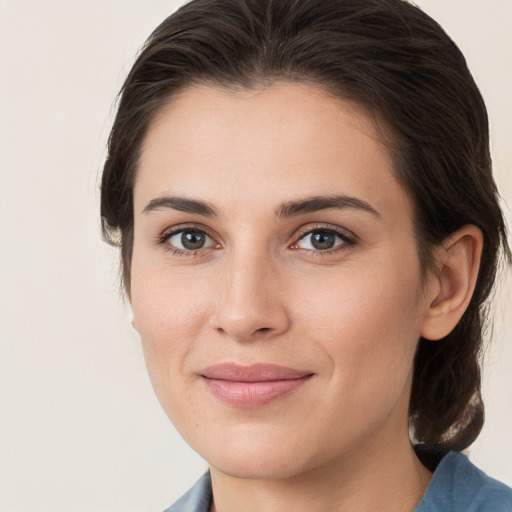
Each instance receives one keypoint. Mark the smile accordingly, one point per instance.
(252, 386)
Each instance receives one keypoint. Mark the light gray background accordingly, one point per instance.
(80, 429)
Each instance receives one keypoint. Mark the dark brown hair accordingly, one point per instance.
(399, 65)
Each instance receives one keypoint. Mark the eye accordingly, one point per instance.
(323, 240)
(190, 239)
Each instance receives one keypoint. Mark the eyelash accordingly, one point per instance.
(165, 237)
(348, 240)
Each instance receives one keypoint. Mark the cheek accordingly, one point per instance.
(169, 313)
(164, 300)
(366, 299)
(168, 321)
(368, 320)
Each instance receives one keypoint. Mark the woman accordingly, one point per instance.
(309, 231)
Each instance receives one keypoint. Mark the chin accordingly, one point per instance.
(263, 467)
(260, 454)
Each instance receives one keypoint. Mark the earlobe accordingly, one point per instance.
(132, 321)
(452, 287)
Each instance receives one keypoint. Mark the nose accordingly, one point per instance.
(250, 302)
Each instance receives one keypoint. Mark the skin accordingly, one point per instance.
(259, 291)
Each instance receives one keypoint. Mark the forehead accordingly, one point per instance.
(285, 139)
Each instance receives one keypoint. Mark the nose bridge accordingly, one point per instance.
(249, 303)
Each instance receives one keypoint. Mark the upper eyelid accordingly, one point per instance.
(308, 229)
(168, 232)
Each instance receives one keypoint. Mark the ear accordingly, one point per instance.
(450, 290)
(130, 315)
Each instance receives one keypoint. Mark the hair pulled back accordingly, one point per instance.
(400, 66)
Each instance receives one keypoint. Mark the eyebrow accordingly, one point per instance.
(181, 204)
(285, 210)
(318, 203)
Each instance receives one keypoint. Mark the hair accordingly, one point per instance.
(398, 64)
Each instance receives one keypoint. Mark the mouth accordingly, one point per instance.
(252, 386)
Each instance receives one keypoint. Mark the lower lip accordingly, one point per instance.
(253, 394)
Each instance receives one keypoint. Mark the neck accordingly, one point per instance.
(384, 477)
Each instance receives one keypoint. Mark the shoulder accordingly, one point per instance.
(459, 486)
(197, 499)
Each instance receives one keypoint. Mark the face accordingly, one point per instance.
(275, 279)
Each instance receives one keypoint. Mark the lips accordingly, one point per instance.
(252, 386)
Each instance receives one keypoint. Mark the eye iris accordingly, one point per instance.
(192, 239)
(322, 240)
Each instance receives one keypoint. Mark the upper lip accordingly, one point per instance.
(260, 372)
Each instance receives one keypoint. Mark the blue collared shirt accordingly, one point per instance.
(457, 486)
